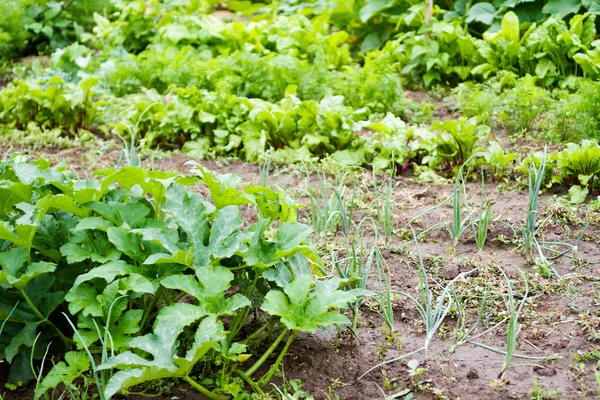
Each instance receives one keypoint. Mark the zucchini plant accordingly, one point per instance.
(156, 280)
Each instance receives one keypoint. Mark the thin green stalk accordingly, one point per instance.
(66, 341)
(274, 367)
(241, 318)
(149, 309)
(250, 371)
(402, 357)
(204, 390)
(535, 180)
(91, 358)
(388, 206)
(513, 323)
(432, 314)
(260, 330)
(384, 297)
(481, 225)
(249, 381)
(504, 353)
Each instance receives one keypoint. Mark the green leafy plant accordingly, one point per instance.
(578, 165)
(456, 143)
(133, 251)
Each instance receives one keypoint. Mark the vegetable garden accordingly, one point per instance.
(299, 200)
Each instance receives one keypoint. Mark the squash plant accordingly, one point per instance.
(157, 280)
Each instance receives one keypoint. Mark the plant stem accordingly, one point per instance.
(256, 333)
(266, 355)
(66, 341)
(274, 367)
(240, 319)
(151, 307)
(250, 381)
(203, 390)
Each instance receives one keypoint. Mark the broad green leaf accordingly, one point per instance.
(162, 345)
(372, 8)
(166, 238)
(481, 12)
(13, 271)
(108, 272)
(223, 188)
(545, 67)
(223, 234)
(130, 243)
(93, 223)
(578, 194)
(561, 8)
(25, 337)
(12, 193)
(179, 257)
(193, 215)
(302, 310)
(226, 239)
(84, 299)
(209, 289)
(131, 213)
(84, 248)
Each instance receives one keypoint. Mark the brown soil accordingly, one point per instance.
(330, 363)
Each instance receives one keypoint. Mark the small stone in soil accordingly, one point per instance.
(544, 371)
(472, 374)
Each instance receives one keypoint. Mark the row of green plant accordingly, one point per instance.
(305, 131)
(444, 51)
(284, 50)
(372, 23)
(31, 27)
(251, 59)
(520, 107)
(134, 277)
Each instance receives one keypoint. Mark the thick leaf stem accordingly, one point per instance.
(240, 320)
(274, 367)
(267, 353)
(260, 330)
(250, 382)
(66, 341)
(148, 310)
(203, 390)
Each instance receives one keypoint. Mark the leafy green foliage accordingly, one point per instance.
(456, 144)
(304, 310)
(117, 254)
(551, 51)
(50, 104)
(65, 372)
(578, 166)
(29, 27)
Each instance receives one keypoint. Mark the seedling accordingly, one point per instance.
(535, 179)
(385, 297)
(129, 153)
(431, 311)
(356, 268)
(481, 224)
